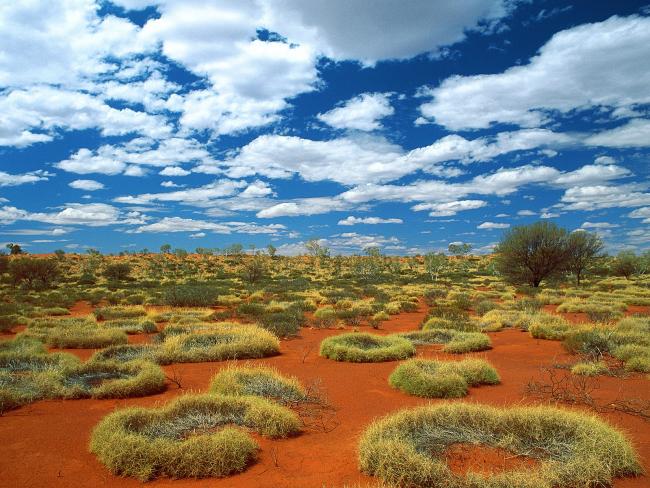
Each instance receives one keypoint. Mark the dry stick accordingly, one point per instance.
(577, 390)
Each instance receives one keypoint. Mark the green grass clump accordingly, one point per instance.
(442, 379)
(259, 381)
(589, 368)
(80, 337)
(460, 324)
(573, 449)
(455, 342)
(495, 320)
(132, 326)
(176, 315)
(220, 342)
(112, 379)
(549, 327)
(194, 436)
(366, 348)
(120, 312)
(126, 352)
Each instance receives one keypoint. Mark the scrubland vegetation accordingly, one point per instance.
(94, 326)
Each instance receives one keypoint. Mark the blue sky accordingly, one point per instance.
(202, 123)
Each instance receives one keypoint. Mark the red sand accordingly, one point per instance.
(465, 458)
(46, 443)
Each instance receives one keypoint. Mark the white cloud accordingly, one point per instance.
(548, 215)
(198, 235)
(364, 159)
(46, 109)
(351, 220)
(636, 133)
(363, 112)
(641, 213)
(203, 194)
(526, 213)
(92, 215)
(174, 171)
(598, 225)
(599, 64)
(604, 196)
(87, 185)
(113, 160)
(7, 179)
(383, 29)
(492, 225)
(448, 209)
(178, 224)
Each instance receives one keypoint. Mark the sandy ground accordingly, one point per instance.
(46, 443)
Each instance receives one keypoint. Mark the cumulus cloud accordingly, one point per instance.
(492, 225)
(7, 179)
(87, 185)
(363, 112)
(636, 133)
(591, 65)
(178, 224)
(92, 215)
(351, 220)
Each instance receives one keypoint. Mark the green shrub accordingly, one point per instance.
(119, 312)
(79, 337)
(589, 342)
(223, 341)
(589, 368)
(189, 296)
(408, 448)
(112, 379)
(259, 381)
(366, 348)
(132, 326)
(442, 379)
(190, 437)
(549, 327)
(325, 317)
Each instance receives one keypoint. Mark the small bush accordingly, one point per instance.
(442, 379)
(366, 348)
(190, 437)
(119, 312)
(549, 327)
(589, 368)
(259, 381)
(408, 448)
(189, 296)
(223, 341)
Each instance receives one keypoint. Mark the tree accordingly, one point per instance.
(625, 264)
(315, 249)
(60, 254)
(15, 249)
(531, 253)
(33, 272)
(272, 250)
(166, 248)
(254, 269)
(434, 263)
(583, 249)
(459, 248)
(117, 271)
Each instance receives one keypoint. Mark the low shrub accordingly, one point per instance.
(366, 348)
(132, 326)
(442, 379)
(119, 312)
(589, 368)
(408, 448)
(189, 296)
(549, 327)
(223, 341)
(325, 317)
(259, 381)
(79, 337)
(190, 437)
(589, 342)
(112, 379)
(456, 342)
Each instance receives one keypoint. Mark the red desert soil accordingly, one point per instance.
(464, 458)
(46, 443)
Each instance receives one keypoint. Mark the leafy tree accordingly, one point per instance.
(531, 253)
(435, 263)
(459, 248)
(15, 249)
(254, 269)
(181, 253)
(166, 248)
(272, 250)
(60, 254)
(315, 249)
(583, 249)
(117, 271)
(234, 250)
(625, 264)
(34, 273)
